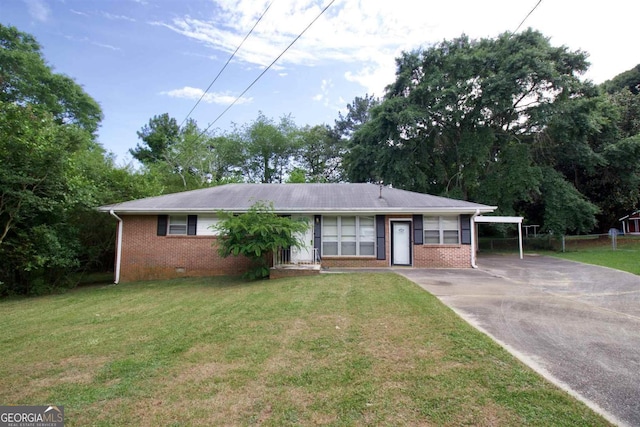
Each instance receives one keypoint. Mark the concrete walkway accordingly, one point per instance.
(576, 324)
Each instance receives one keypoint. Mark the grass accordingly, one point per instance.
(624, 258)
(337, 350)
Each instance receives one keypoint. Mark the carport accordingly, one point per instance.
(480, 219)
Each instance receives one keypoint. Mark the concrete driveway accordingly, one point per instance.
(576, 324)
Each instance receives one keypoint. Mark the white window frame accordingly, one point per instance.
(442, 219)
(359, 236)
(177, 225)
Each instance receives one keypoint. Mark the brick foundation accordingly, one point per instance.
(279, 273)
(146, 256)
(353, 262)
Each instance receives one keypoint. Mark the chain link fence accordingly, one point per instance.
(549, 242)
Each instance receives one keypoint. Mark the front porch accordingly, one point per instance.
(294, 262)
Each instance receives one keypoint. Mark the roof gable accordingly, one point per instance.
(302, 198)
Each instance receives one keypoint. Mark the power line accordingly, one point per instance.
(227, 63)
(528, 14)
(267, 69)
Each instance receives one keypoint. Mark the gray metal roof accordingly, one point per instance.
(299, 198)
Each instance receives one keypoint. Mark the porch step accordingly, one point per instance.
(294, 270)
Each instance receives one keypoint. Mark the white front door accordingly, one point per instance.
(305, 253)
(401, 243)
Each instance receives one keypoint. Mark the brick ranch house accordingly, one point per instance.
(350, 225)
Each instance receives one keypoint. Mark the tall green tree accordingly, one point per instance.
(320, 154)
(358, 113)
(459, 114)
(358, 161)
(38, 243)
(158, 136)
(268, 149)
(26, 78)
(97, 180)
(593, 144)
(629, 80)
(193, 159)
(52, 174)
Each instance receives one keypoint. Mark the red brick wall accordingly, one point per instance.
(424, 256)
(147, 256)
(442, 256)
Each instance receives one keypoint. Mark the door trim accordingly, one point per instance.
(408, 222)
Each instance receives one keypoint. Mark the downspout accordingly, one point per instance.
(118, 247)
(473, 238)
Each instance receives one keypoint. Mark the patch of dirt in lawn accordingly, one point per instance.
(489, 414)
(32, 381)
(201, 371)
(233, 407)
(74, 369)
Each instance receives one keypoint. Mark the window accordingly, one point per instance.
(348, 236)
(177, 224)
(367, 236)
(441, 230)
(330, 235)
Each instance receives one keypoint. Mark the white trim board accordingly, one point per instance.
(499, 219)
(503, 220)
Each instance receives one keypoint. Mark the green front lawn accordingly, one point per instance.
(626, 257)
(356, 349)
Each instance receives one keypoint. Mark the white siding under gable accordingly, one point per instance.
(204, 222)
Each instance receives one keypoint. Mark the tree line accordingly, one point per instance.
(263, 151)
(505, 121)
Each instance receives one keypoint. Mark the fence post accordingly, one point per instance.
(613, 233)
(563, 247)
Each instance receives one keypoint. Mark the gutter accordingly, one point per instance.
(308, 211)
(116, 280)
(473, 238)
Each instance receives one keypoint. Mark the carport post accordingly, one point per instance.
(520, 238)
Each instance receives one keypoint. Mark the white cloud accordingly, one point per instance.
(366, 37)
(38, 10)
(77, 12)
(325, 96)
(86, 39)
(106, 46)
(194, 93)
(117, 17)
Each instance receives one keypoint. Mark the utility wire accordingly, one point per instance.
(267, 69)
(528, 14)
(227, 63)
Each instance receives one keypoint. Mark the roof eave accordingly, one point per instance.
(423, 210)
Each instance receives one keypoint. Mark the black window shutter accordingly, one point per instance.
(465, 226)
(317, 233)
(417, 230)
(380, 246)
(162, 225)
(192, 223)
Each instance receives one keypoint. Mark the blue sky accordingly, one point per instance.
(140, 58)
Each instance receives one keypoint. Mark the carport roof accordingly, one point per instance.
(300, 198)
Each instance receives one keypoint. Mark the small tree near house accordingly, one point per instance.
(257, 234)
